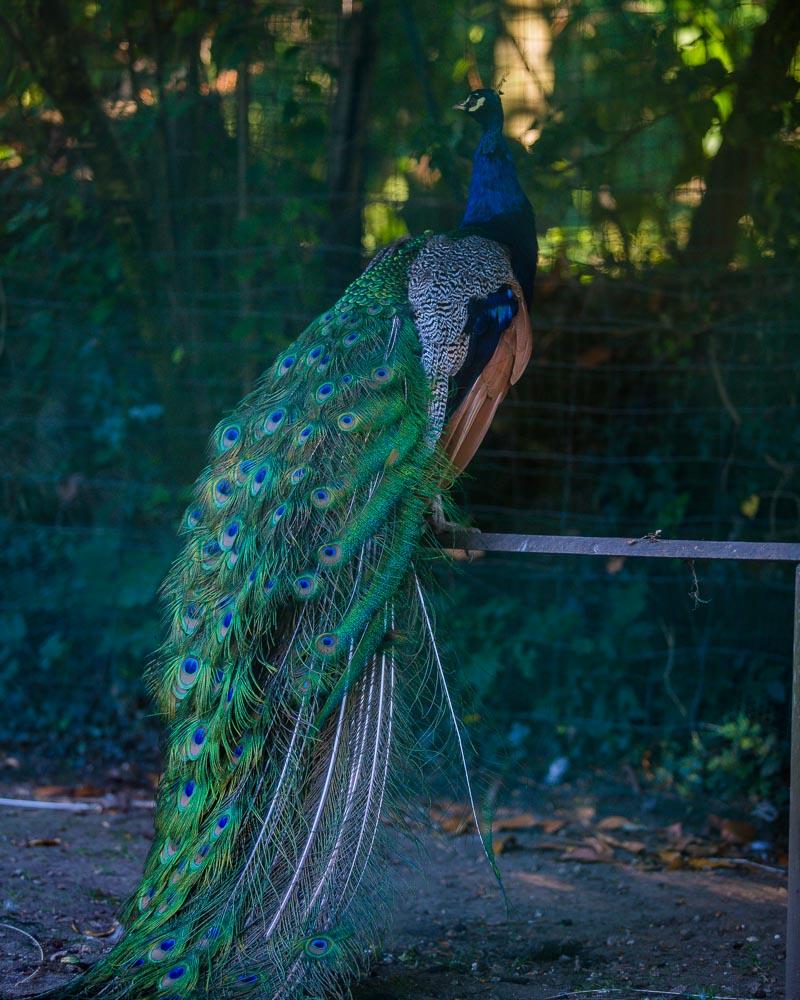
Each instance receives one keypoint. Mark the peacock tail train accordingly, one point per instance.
(296, 616)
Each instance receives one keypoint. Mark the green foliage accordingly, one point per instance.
(738, 758)
(155, 255)
(637, 142)
(612, 664)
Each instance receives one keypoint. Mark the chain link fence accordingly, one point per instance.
(200, 182)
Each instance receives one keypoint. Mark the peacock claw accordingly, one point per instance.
(441, 525)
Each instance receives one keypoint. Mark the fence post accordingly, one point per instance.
(793, 908)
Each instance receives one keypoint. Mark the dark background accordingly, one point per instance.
(184, 185)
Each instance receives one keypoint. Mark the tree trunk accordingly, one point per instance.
(249, 364)
(763, 85)
(55, 46)
(348, 141)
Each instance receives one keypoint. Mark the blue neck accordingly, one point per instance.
(494, 189)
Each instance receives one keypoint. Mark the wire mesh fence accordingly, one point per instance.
(220, 175)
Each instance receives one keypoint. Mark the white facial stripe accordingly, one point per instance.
(478, 103)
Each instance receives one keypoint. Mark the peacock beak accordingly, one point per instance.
(462, 106)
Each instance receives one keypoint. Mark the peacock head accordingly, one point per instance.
(484, 106)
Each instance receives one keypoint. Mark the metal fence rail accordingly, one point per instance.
(653, 546)
(650, 546)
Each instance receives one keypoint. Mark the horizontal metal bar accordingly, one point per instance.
(650, 546)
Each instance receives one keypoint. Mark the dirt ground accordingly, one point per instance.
(607, 891)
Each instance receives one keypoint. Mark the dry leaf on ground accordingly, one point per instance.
(68, 792)
(452, 817)
(591, 851)
(526, 821)
(515, 821)
(87, 932)
(631, 846)
(553, 845)
(733, 831)
(618, 823)
(505, 845)
(584, 814)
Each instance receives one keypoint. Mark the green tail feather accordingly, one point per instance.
(289, 617)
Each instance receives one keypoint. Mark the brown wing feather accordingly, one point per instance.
(473, 418)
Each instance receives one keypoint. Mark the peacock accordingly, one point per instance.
(297, 615)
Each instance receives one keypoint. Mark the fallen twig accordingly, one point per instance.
(747, 863)
(30, 937)
(76, 807)
(65, 806)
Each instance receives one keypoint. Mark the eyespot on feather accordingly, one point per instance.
(284, 365)
(192, 616)
(229, 535)
(318, 946)
(306, 586)
(327, 643)
(244, 469)
(321, 497)
(229, 437)
(347, 422)
(258, 480)
(173, 977)
(195, 743)
(209, 937)
(200, 857)
(246, 981)
(171, 902)
(210, 553)
(224, 625)
(274, 420)
(194, 517)
(162, 950)
(222, 492)
(324, 392)
(304, 435)
(221, 826)
(185, 794)
(330, 554)
(146, 898)
(168, 851)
